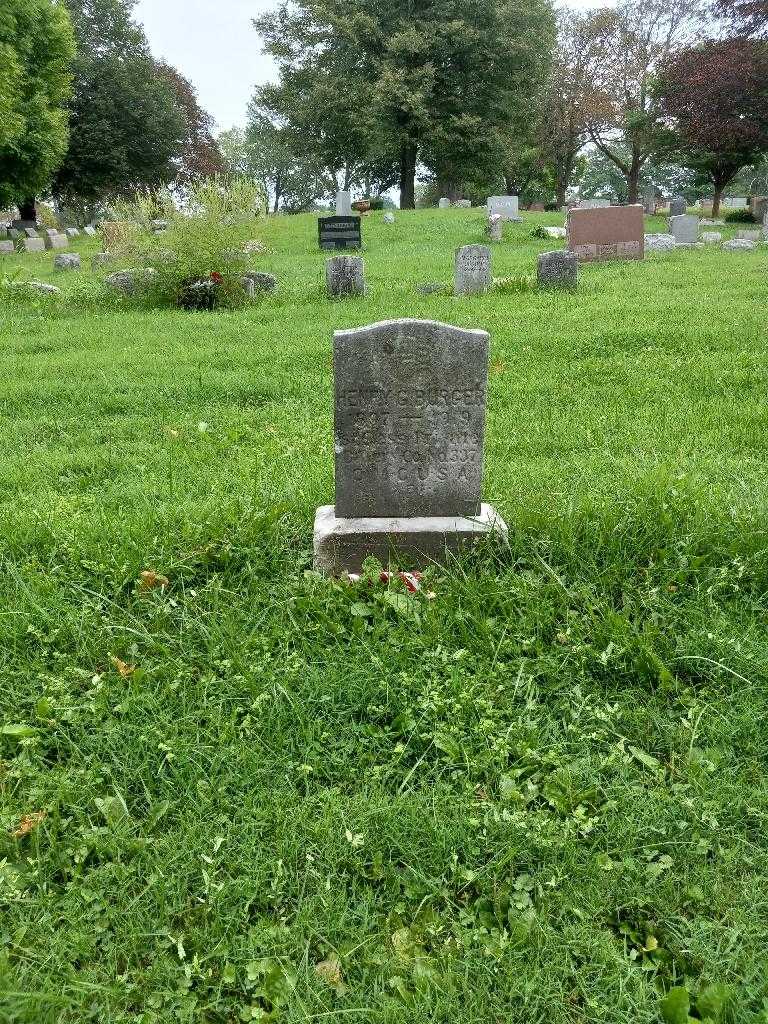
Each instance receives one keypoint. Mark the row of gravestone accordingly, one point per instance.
(28, 239)
(345, 275)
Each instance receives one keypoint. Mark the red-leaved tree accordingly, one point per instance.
(714, 101)
(201, 156)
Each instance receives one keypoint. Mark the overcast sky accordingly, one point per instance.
(213, 43)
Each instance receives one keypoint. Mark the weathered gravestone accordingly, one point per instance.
(760, 208)
(7, 248)
(67, 261)
(3, 233)
(344, 204)
(444, 203)
(90, 230)
(72, 232)
(739, 245)
(594, 204)
(685, 228)
(616, 233)
(472, 270)
(649, 201)
(33, 244)
(389, 217)
(677, 207)
(750, 234)
(258, 282)
(101, 259)
(56, 241)
(31, 232)
(345, 276)
(463, 204)
(14, 234)
(495, 228)
(559, 269)
(659, 243)
(340, 232)
(410, 408)
(506, 207)
(711, 237)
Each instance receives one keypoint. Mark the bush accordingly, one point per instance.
(739, 217)
(377, 202)
(201, 257)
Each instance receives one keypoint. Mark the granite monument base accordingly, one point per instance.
(342, 545)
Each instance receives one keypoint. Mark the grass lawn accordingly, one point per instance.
(540, 796)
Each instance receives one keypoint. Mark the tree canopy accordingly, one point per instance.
(36, 52)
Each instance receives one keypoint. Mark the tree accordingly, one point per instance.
(628, 44)
(749, 16)
(36, 52)
(435, 88)
(201, 156)
(564, 125)
(126, 128)
(714, 98)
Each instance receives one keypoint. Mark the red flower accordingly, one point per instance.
(216, 277)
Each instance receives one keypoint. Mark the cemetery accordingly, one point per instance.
(384, 604)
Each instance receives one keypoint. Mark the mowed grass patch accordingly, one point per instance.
(230, 789)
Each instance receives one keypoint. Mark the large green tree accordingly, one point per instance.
(127, 128)
(431, 82)
(36, 51)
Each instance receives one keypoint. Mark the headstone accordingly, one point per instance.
(14, 234)
(740, 245)
(127, 281)
(344, 204)
(594, 204)
(649, 201)
(750, 234)
(345, 276)
(67, 261)
(50, 232)
(340, 232)
(463, 204)
(495, 228)
(430, 288)
(711, 237)
(101, 259)
(39, 286)
(736, 203)
(444, 204)
(559, 269)
(556, 232)
(389, 217)
(685, 228)
(31, 232)
(616, 233)
(760, 208)
(56, 241)
(255, 281)
(33, 245)
(72, 232)
(7, 248)
(473, 270)
(90, 230)
(678, 207)
(3, 233)
(506, 207)
(659, 243)
(22, 225)
(410, 409)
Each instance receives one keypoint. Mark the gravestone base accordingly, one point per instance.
(342, 545)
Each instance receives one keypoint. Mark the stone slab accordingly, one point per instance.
(409, 421)
(340, 233)
(342, 544)
(616, 233)
(678, 207)
(444, 204)
(7, 248)
(56, 241)
(33, 244)
(506, 207)
(558, 269)
(344, 204)
(345, 276)
(472, 270)
(685, 228)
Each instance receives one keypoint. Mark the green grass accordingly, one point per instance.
(540, 796)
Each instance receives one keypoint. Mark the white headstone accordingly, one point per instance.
(506, 207)
(473, 270)
(444, 204)
(344, 204)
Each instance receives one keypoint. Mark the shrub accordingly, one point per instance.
(201, 257)
(739, 217)
(377, 202)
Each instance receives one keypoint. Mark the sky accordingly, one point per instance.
(214, 45)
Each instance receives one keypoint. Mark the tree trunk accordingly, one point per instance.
(28, 209)
(278, 194)
(408, 156)
(633, 178)
(716, 203)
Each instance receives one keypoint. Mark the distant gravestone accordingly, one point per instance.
(711, 237)
(760, 208)
(463, 204)
(617, 233)
(740, 245)
(389, 217)
(409, 432)
(473, 270)
(101, 259)
(50, 232)
(659, 243)
(678, 207)
(31, 232)
(67, 261)
(750, 234)
(736, 202)
(444, 204)
(33, 244)
(685, 228)
(56, 241)
(495, 228)
(345, 276)
(506, 207)
(555, 232)
(7, 248)
(344, 204)
(559, 269)
(594, 204)
(649, 201)
(3, 233)
(340, 233)
(256, 281)
(72, 232)
(90, 230)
